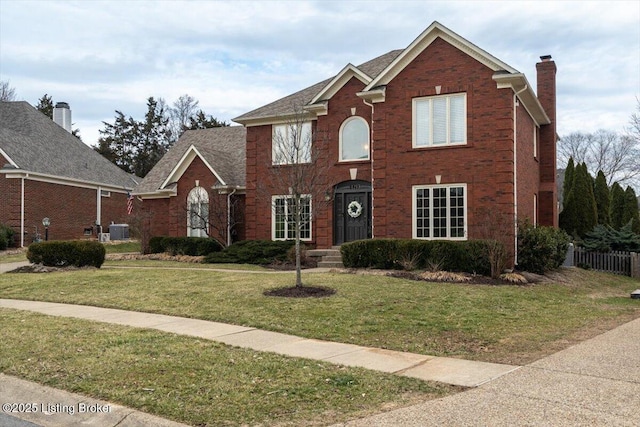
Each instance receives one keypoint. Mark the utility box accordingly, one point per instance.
(119, 231)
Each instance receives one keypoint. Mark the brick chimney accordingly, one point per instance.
(62, 115)
(548, 196)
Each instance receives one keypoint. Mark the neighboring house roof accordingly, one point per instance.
(33, 143)
(378, 72)
(222, 149)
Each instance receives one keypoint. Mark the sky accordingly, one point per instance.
(235, 56)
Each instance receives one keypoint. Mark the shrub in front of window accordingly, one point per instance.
(67, 253)
(192, 246)
(541, 249)
(463, 256)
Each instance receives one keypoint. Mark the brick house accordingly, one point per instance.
(197, 188)
(48, 172)
(440, 140)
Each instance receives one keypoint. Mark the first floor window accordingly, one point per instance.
(285, 212)
(440, 212)
(198, 213)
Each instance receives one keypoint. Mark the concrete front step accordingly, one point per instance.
(323, 252)
(329, 264)
(329, 258)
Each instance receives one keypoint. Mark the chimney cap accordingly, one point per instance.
(545, 58)
(62, 105)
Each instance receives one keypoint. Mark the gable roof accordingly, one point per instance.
(33, 143)
(381, 70)
(285, 107)
(222, 150)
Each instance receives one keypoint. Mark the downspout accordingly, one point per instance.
(229, 216)
(22, 212)
(99, 209)
(371, 159)
(515, 173)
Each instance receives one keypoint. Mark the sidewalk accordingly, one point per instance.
(447, 370)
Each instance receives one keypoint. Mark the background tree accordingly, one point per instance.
(7, 92)
(203, 121)
(45, 106)
(631, 213)
(182, 110)
(579, 215)
(603, 199)
(568, 180)
(617, 206)
(616, 155)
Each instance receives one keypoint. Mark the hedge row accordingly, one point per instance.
(465, 256)
(6, 237)
(261, 252)
(66, 253)
(194, 246)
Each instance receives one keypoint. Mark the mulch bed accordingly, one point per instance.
(301, 292)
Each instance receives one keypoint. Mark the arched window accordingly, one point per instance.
(354, 139)
(198, 213)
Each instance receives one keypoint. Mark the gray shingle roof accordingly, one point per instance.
(290, 103)
(37, 144)
(223, 148)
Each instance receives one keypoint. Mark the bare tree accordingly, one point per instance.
(216, 214)
(297, 184)
(616, 155)
(183, 109)
(7, 93)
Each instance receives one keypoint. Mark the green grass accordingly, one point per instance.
(195, 381)
(507, 324)
(5, 258)
(123, 247)
(179, 264)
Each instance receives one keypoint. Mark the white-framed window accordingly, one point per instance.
(440, 212)
(440, 120)
(283, 224)
(291, 143)
(354, 139)
(535, 141)
(105, 193)
(198, 213)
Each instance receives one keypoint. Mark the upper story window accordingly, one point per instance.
(440, 120)
(291, 143)
(354, 139)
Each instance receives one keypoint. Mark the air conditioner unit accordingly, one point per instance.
(104, 237)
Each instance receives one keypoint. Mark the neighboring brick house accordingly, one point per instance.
(440, 140)
(197, 188)
(47, 172)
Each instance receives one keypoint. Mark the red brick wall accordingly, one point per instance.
(9, 201)
(528, 174)
(548, 200)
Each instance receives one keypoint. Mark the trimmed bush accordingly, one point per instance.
(541, 249)
(66, 253)
(261, 252)
(193, 246)
(464, 256)
(6, 237)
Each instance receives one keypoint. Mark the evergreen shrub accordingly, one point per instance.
(6, 237)
(541, 249)
(193, 246)
(261, 252)
(66, 253)
(461, 256)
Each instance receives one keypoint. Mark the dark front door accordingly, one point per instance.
(352, 211)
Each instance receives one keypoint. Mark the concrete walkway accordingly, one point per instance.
(594, 383)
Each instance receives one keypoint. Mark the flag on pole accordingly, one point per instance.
(129, 203)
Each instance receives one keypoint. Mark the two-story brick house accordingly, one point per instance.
(440, 140)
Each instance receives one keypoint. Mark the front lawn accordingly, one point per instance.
(194, 381)
(505, 324)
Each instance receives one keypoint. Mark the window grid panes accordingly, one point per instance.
(440, 212)
(284, 218)
(291, 143)
(439, 120)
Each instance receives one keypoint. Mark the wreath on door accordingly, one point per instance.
(354, 209)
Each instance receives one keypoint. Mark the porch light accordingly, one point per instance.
(46, 222)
